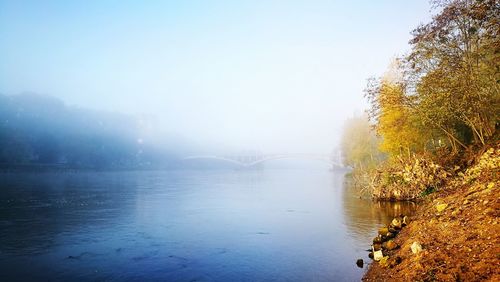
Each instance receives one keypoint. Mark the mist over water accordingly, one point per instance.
(270, 76)
(187, 140)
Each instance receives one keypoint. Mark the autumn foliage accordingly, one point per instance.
(441, 99)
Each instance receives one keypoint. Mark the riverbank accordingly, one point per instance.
(458, 229)
(13, 168)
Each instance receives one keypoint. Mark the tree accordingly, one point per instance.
(455, 59)
(448, 87)
(359, 144)
(395, 119)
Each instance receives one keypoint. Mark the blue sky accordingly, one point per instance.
(269, 75)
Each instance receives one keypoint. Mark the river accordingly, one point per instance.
(185, 225)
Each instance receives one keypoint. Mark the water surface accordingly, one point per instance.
(219, 225)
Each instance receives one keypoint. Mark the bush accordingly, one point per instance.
(486, 167)
(408, 179)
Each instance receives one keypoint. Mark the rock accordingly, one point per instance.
(383, 231)
(378, 255)
(390, 245)
(405, 221)
(441, 207)
(359, 263)
(396, 223)
(394, 261)
(390, 235)
(393, 231)
(416, 247)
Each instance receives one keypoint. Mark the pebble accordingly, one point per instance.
(359, 263)
(383, 241)
(383, 231)
(378, 255)
(405, 221)
(390, 245)
(396, 223)
(416, 247)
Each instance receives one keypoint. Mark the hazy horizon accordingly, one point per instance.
(270, 76)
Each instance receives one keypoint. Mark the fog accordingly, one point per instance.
(273, 76)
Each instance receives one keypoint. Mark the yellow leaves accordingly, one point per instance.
(452, 93)
(383, 261)
(441, 207)
(400, 128)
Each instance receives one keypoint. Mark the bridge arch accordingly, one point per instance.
(250, 161)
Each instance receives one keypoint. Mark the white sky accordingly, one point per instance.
(277, 76)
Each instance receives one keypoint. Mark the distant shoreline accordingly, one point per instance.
(67, 168)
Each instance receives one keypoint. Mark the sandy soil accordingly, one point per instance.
(460, 243)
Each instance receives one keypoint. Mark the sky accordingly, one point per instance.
(274, 76)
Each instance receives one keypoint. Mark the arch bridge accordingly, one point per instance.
(251, 160)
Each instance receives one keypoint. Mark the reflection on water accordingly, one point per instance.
(264, 225)
(364, 216)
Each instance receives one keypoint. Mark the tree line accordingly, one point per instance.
(41, 130)
(440, 99)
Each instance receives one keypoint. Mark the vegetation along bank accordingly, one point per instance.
(431, 135)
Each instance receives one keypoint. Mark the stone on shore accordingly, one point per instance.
(416, 247)
(406, 221)
(359, 263)
(378, 255)
(393, 261)
(390, 245)
(383, 231)
(396, 223)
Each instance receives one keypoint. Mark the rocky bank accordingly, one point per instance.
(455, 233)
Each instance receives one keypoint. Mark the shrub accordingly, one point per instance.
(486, 167)
(408, 179)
